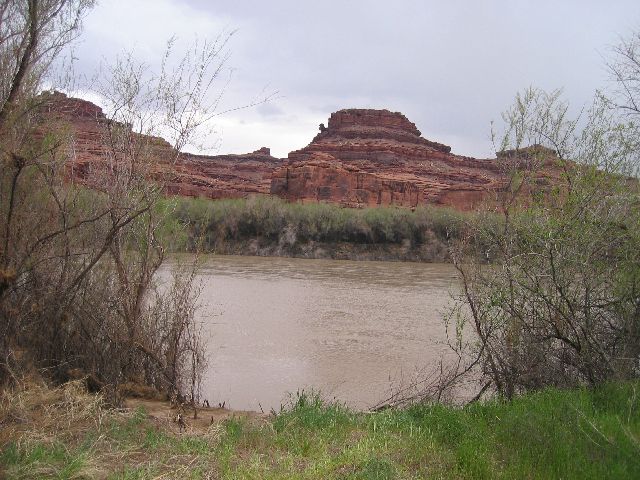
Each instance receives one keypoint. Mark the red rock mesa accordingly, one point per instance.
(377, 157)
(362, 158)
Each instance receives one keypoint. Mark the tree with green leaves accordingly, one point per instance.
(559, 304)
(79, 286)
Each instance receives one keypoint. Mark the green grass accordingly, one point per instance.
(578, 434)
(551, 434)
(44, 460)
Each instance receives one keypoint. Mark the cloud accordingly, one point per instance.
(269, 110)
(451, 67)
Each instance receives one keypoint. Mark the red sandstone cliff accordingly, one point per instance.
(218, 176)
(377, 157)
(224, 176)
(362, 158)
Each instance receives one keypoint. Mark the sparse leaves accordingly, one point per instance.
(560, 304)
(79, 288)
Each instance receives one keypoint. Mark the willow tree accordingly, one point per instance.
(560, 302)
(78, 285)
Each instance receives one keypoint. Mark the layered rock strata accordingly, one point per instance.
(218, 176)
(224, 176)
(377, 157)
(361, 158)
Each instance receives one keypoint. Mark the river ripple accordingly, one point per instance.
(348, 329)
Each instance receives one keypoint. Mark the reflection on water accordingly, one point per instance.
(345, 328)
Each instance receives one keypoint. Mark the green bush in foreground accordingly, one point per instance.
(553, 433)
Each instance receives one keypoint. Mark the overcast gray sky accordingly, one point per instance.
(450, 66)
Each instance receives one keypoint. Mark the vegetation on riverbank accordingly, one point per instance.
(64, 433)
(269, 226)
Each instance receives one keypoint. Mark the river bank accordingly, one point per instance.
(436, 252)
(269, 226)
(66, 433)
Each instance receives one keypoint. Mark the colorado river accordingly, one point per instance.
(350, 330)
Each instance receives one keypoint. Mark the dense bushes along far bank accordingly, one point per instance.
(270, 226)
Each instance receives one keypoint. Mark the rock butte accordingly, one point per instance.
(377, 157)
(362, 158)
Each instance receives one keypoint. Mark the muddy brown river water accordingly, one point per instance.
(351, 330)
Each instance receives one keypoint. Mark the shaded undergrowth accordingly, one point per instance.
(550, 434)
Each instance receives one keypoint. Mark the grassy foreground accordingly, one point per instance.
(64, 433)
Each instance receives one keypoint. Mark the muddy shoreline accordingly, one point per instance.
(432, 253)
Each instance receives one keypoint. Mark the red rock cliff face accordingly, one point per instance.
(219, 176)
(362, 158)
(224, 176)
(377, 157)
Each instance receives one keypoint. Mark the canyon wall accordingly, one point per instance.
(378, 157)
(185, 174)
(361, 158)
